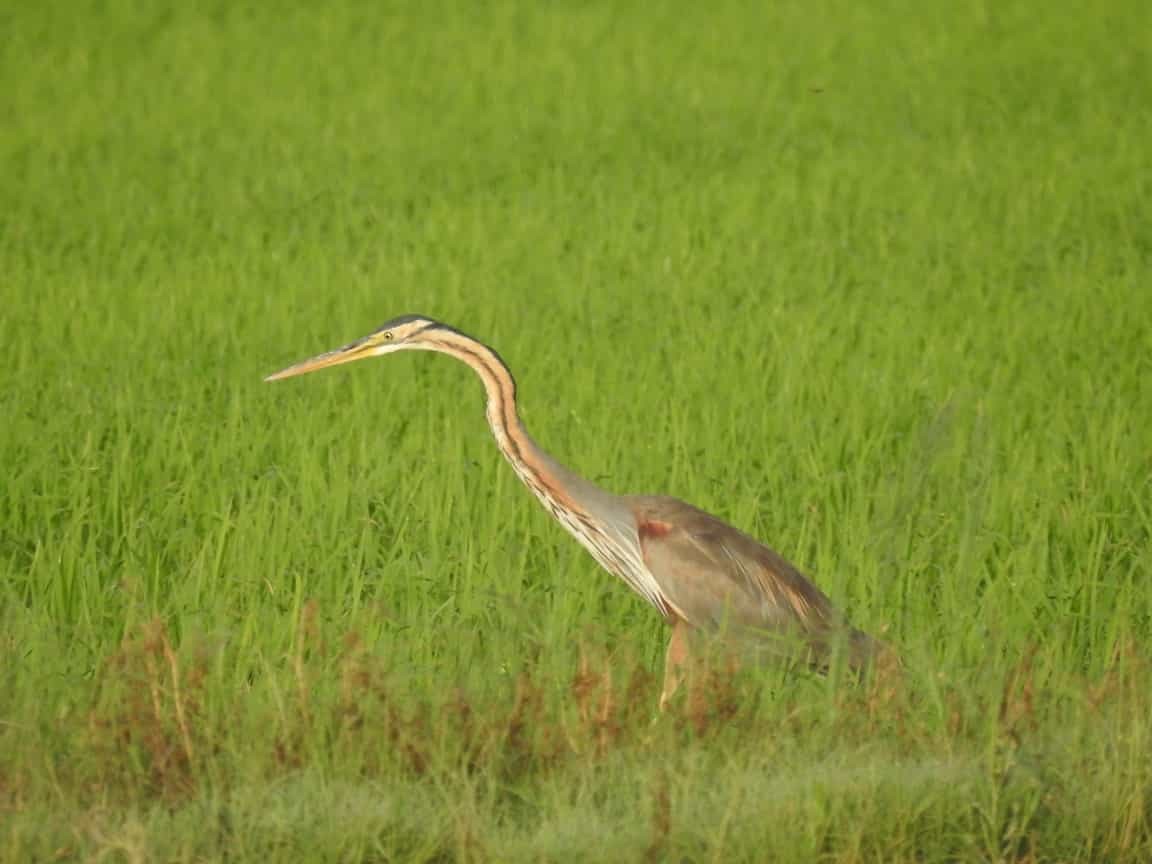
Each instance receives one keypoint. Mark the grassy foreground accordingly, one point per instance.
(871, 281)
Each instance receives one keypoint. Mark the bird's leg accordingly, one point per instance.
(674, 660)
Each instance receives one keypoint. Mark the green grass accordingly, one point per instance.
(871, 281)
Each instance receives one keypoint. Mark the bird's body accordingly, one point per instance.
(697, 571)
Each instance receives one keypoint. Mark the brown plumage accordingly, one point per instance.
(720, 580)
(700, 573)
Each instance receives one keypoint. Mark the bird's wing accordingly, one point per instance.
(715, 575)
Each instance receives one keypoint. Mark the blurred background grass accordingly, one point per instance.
(868, 281)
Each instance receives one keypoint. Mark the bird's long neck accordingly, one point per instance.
(554, 484)
(601, 521)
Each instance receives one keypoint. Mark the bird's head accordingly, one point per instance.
(405, 332)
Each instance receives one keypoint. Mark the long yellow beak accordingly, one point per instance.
(357, 350)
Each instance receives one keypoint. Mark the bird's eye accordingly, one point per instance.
(387, 335)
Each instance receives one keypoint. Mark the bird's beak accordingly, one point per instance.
(357, 350)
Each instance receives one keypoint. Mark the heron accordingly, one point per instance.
(702, 575)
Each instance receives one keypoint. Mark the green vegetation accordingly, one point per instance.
(871, 281)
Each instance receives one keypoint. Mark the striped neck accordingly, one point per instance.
(499, 386)
(539, 471)
(600, 521)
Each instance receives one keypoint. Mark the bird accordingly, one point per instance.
(701, 574)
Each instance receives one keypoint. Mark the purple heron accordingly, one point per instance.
(698, 572)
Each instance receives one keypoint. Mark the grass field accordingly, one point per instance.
(870, 281)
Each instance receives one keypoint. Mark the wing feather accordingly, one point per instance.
(716, 576)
